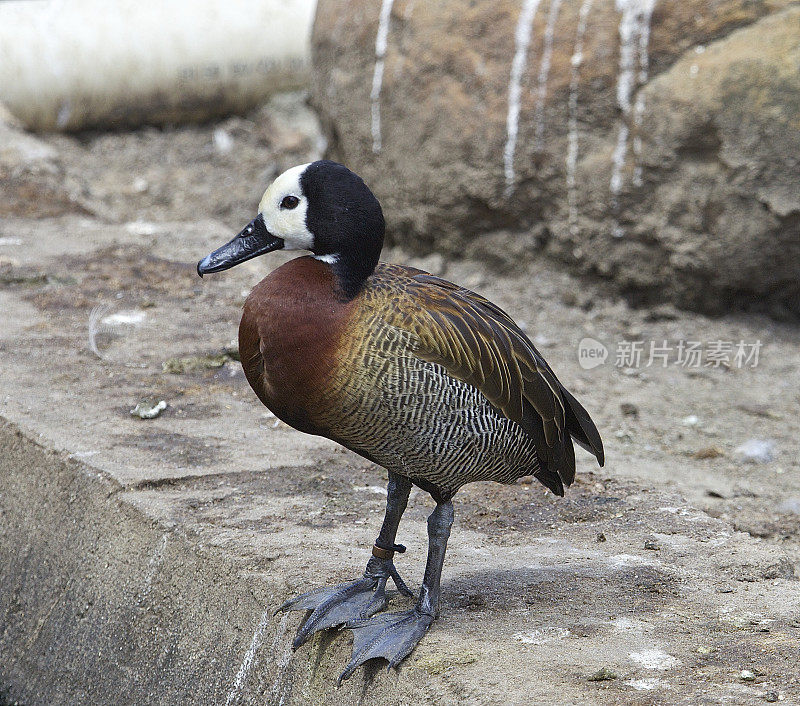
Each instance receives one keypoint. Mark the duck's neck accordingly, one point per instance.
(352, 268)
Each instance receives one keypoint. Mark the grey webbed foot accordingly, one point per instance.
(337, 605)
(391, 636)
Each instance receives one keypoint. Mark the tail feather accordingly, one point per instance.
(581, 427)
(557, 467)
(551, 481)
(557, 462)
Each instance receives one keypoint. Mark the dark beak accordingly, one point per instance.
(254, 240)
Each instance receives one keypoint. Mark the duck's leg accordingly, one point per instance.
(362, 598)
(393, 635)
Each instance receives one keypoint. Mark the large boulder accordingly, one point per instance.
(651, 143)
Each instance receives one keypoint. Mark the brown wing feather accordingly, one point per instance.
(477, 342)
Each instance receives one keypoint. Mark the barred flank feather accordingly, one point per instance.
(439, 384)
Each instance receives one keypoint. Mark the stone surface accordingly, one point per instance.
(721, 140)
(650, 143)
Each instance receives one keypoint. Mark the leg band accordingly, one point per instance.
(387, 552)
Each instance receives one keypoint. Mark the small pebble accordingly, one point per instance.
(708, 452)
(629, 409)
(603, 674)
(691, 421)
(223, 142)
(652, 545)
(149, 409)
(140, 185)
(141, 228)
(747, 675)
(600, 537)
(755, 451)
(124, 318)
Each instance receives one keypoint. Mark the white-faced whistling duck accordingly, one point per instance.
(427, 379)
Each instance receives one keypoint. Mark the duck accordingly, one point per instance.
(431, 381)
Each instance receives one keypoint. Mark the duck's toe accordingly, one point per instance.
(337, 605)
(392, 636)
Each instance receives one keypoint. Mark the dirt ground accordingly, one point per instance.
(692, 450)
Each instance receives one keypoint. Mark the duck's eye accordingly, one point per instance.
(290, 202)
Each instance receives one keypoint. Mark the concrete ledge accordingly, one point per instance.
(100, 605)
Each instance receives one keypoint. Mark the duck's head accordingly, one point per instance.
(322, 207)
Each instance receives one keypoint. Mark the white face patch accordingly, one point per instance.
(289, 224)
(330, 259)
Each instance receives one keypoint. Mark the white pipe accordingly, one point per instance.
(70, 64)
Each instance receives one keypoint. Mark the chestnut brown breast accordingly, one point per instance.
(288, 338)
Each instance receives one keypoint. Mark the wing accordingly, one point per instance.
(477, 342)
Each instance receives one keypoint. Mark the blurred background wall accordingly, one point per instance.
(74, 64)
